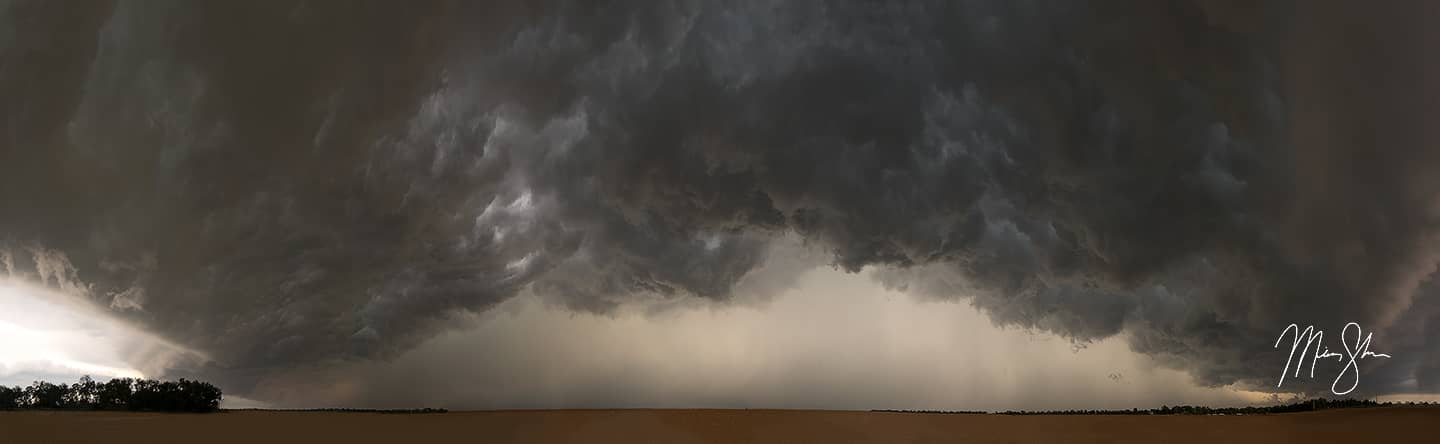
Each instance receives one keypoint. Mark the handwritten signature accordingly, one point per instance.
(1311, 336)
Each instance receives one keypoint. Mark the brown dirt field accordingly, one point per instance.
(1380, 425)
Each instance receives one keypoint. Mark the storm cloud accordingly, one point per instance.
(282, 185)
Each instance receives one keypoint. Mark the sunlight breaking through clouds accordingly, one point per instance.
(52, 336)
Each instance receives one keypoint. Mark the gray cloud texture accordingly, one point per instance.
(286, 184)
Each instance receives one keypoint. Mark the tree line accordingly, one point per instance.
(116, 394)
(1300, 406)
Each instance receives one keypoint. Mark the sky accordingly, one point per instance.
(52, 341)
(979, 204)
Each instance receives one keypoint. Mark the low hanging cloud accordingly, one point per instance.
(885, 349)
(282, 185)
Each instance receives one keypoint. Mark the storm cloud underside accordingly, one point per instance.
(321, 183)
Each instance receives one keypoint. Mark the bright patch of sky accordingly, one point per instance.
(47, 335)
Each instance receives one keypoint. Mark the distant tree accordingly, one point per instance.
(12, 398)
(44, 395)
(145, 395)
(114, 394)
(82, 394)
(117, 394)
(197, 396)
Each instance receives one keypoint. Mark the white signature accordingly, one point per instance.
(1312, 336)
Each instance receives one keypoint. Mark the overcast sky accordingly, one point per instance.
(981, 204)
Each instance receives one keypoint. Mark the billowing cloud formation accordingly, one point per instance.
(861, 347)
(322, 181)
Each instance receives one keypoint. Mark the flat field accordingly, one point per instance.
(1378, 425)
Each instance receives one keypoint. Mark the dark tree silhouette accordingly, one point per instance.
(114, 394)
(82, 394)
(11, 398)
(44, 395)
(117, 394)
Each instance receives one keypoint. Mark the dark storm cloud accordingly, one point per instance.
(296, 184)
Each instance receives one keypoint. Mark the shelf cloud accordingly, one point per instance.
(316, 184)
